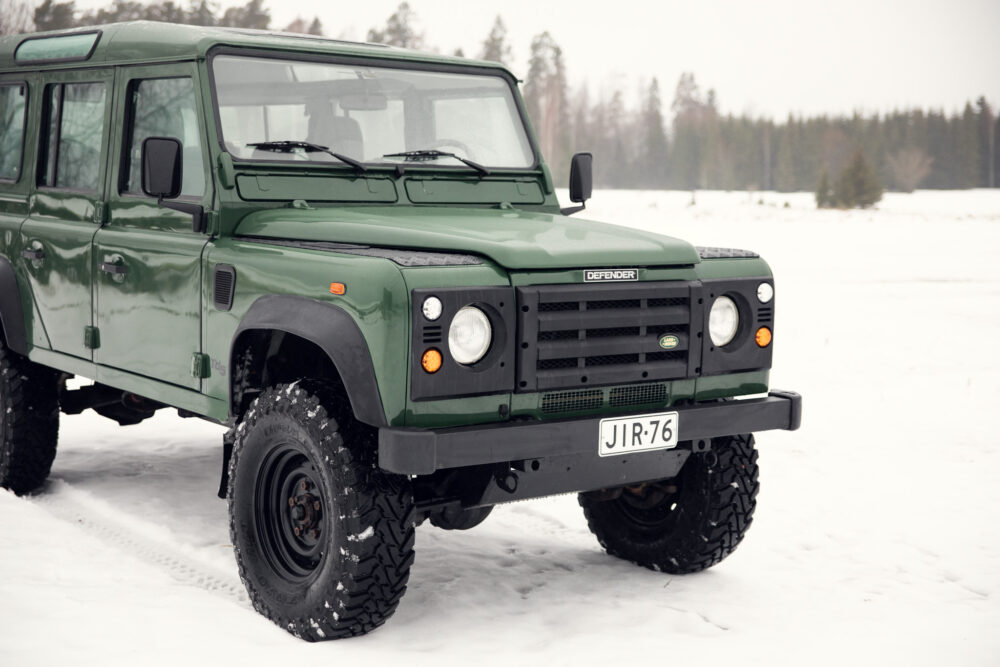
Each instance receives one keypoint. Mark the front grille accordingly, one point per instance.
(573, 335)
(639, 394)
(573, 401)
(616, 397)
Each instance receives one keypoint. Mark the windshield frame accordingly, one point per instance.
(371, 61)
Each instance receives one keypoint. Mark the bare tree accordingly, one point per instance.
(909, 167)
(15, 17)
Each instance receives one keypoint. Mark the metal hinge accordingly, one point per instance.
(100, 212)
(201, 366)
(91, 338)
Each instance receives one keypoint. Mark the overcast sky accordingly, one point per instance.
(766, 57)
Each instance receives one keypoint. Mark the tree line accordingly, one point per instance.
(690, 145)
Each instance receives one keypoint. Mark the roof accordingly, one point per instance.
(151, 41)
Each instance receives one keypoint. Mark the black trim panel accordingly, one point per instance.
(11, 315)
(334, 331)
(422, 452)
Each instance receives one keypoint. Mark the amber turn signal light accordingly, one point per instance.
(431, 361)
(338, 288)
(763, 337)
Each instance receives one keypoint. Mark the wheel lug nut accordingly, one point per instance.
(316, 505)
(296, 530)
(304, 485)
(291, 502)
(314, 533)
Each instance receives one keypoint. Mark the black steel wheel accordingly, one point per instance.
(29, 422)
(291, 517)
(323, 538)
(686, 524)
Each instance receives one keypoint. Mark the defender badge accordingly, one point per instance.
(669, 341)
(610, 275)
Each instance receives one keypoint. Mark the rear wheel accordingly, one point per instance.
(686, 524)
(29, 422)
(323, 538)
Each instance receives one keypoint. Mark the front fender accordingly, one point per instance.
(331, 329)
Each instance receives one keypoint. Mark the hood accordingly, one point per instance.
(511, 238)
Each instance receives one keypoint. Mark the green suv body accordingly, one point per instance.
(353, 256)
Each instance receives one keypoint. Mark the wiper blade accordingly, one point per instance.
(416, 156)
(290, 146)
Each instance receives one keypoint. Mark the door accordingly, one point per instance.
(67, 204)
(148, 282)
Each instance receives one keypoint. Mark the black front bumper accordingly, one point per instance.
(425, 451)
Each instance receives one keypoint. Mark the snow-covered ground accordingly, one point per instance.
(876, 540)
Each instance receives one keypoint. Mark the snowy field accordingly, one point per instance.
(876, 539)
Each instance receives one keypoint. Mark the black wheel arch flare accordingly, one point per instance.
(330, 328)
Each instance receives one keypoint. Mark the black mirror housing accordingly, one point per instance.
(161, 167)
(581, 177)
(162, 177)
(581, 182)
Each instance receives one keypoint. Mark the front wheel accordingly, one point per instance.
(323, 538)
(685, 524)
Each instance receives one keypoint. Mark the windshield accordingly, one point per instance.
(366, 113)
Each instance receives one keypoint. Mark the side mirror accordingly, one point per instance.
(162, 167)
(162, 177)
(581, 182)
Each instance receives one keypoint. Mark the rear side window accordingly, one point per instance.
(12, 101)
(74, 122)
(165, 108)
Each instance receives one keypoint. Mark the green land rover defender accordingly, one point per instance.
(353, 257)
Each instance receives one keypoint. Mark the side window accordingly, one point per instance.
(165, 108)
(74, 121)
(12, 98)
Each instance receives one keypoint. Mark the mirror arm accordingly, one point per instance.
(570, 210)
(196, 211)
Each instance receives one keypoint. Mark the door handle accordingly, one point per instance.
(113, 269)
(33, 254)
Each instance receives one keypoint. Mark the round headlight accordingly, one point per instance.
(723, 321)
(765, 292)
(469, 336)
(432, 308)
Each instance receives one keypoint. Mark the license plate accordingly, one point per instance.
(638, 433)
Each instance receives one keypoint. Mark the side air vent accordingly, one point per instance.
(224, 286)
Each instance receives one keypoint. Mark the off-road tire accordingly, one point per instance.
(347, 578)
(692, 528)
(29, 422)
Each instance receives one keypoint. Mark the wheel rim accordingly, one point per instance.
(652, 508)
(291, 515)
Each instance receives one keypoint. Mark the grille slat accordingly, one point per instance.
(592, 319)
(602, 346)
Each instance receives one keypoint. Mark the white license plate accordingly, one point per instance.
(638, 433)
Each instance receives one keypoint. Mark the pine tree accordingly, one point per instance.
(824, 198)
(399, 30)
(546, 98)
(495, 46)
(857, 185)
(51, 15)
(653, 149)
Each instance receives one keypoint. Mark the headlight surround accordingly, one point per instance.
(469, 335)
(723, 321)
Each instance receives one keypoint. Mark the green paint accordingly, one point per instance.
(161, 335)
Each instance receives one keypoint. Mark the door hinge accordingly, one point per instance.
(201, 366)
(100, 212)
(91, 338)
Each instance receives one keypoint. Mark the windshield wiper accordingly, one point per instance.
(290, 146)
(416, 156)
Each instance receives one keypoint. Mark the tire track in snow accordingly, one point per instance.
(74, 507)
